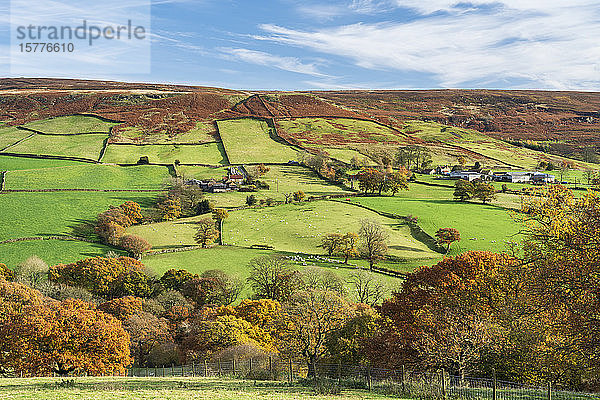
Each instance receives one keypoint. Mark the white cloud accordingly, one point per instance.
(291, 64)
(553, 46)
(430, 6)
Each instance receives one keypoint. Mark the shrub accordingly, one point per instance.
(251, 200)
(134, 245)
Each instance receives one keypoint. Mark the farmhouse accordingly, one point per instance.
(236, 175)
(213, 186)
(467, 176)
(524, 177)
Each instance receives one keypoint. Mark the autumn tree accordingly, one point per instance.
(190, 196)
(64, 337)
(134, 245)
(370, 180)
(107, 277)
(395, 182)
(133, 211)
(207, 336)
(147, 331)
(207, 233)
(561, 247)
(6, 273)
(349, 246)
(348, 343)
(170, 208)
(174, 279)
(272, 277)
(373, 240)
(299, 195)
(262, 169)
(219, 215)
(463, 190)
(226, 289)
(313, 315)
(331, 243)
(122, 307)
(447, 236)
(484, 191)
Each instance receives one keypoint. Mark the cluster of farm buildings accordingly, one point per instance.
(230, 183)
(534, 177)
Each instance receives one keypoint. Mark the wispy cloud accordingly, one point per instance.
(548, 46)
(290, 64)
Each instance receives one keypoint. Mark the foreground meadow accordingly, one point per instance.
(177, 388)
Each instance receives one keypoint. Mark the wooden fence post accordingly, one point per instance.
(147, 371)
(205, 368)
(233, 367)
(444, 394)
(271, 367)
(172, 369)
(219, 364)
(193, 369)
(369, 383)
(549, 390)
(163, 370)
(403, 377)
(339, 373)
(291, 373)
(250, 365)
(495, 393)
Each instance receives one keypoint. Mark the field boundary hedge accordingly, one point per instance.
(48, 157)
(163, 144)
(79, 190)
(60, 134)
(59, 237)
(17, 142)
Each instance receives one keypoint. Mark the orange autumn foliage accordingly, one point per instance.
(62, 337)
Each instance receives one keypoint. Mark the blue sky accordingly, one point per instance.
(362, 44)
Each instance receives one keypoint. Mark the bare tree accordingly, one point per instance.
(367, 287)
(373, 241)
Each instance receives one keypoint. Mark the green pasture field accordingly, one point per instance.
(169, 234)
(346, 155)
(201, 172)
(51, 251)
(11, 135)
(337, 131)
(482, 227)
(8, 163)
(234, 261)
(57, 213)
(201, 133)
(89, 176)
(211, 153)
(71, 124)
(299, 228)
(171, 388)
(493, 149)
(82, 146)
(290, 228)
(249, 141)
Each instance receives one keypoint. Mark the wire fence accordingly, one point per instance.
(400, 382)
